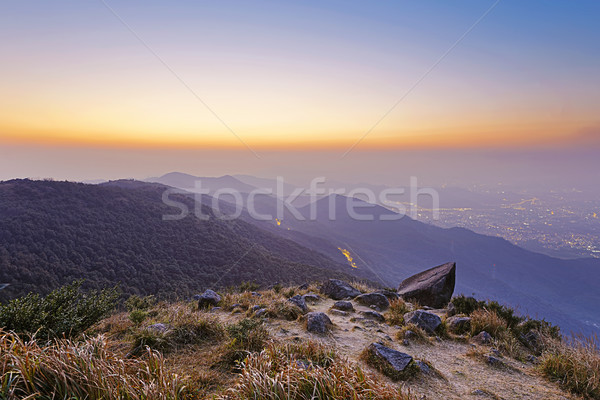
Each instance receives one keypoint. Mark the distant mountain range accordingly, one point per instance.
(54, 232)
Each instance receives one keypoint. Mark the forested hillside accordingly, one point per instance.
(55, 232)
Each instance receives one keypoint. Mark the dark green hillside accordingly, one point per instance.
(55, 232)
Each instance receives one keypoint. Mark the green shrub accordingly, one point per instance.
(137, 316)
(65, 312)
(248, 287)
(135, 302)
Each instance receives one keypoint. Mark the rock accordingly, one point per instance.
(255, 294)
(389, 294)
(338, 312)
(261, 313)
(532, 359)
(451, 310)
(208, 298)
(458, 324)
(373, 315)
(391, 362)
(299, 302)
(214, 310)
(494, 361)
(235, 305)
(158, 328)
(304, 286)
(432, 288)
(343, 305)
(318, 322)
(338, 290)
(410, 335)
(425, 369)
(425, 320)
(255, 308)
(197, 297)
(496, 352)
(405, 342)
(373, 299)
(311, 297)
(482, 338)
(532, 340)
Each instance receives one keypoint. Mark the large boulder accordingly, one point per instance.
(373, 299)
(338, 290)
(425, 320)
(208, 298)
(432, 288)
(298, 301)
(389, 361)
(318, 322)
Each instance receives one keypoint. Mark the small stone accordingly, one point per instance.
(394, 362)
(405, 342)
(261, 313)
(318, 322)
(304, 286)
(311, 297)
(373, 299)
(299, 302)
(343, 306)
(255, 308)
(425, 320)
(215, 309)
(494, 361)
(256, 294)
(340, 313)
(208, 298)
(482, 338)
(159, 328)
(339, 290)
(373, 315)
(425, 369)
(458, 324)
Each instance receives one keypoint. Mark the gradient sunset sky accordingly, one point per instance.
(97, 89)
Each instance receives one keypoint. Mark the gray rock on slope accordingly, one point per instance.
(373, 299)
(425, 320)
(343, 306)
(394, 363)
(298, 301)
(458, 324)
(318, 322)
(338, 290)
(433, 287)
(208, 298)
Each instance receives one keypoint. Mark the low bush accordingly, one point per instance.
(65, 312)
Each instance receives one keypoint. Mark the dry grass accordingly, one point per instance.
(363, 287)
(277, 374)
(419, 334)
(395, 314)
(575, 365)
(84, 370)
(489, 321)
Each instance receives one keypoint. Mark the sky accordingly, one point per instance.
(455, 91)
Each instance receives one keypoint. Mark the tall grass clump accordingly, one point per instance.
(266, 377)
(395, 314)
(88, 369)
(183, 327)
(574, 364)
(64, 312)
(244, 338)
(489, 321)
